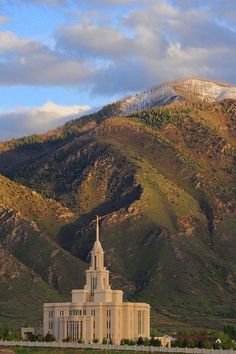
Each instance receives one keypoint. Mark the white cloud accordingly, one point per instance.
(167, 42)
(24, 121)
(60, 110)
(90, 40)
(9, 41)
(27, 62)
(139, 47)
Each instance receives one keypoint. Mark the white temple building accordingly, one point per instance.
(97, 311)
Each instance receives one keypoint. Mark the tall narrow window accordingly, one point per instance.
(93, 283)
(81, 329)
(95, 261)
(139, 322)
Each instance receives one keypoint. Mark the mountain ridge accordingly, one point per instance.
(174, 91)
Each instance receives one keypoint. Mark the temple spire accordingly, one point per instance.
(97, 229)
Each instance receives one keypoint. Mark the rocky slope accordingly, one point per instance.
(28, 228)
(163, 180)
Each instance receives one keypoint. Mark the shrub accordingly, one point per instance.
(49, 338)
(65, 340)
(230, 331)
(188, 343)
(140, 341)
(104, 341)
(131, 342)
(95, 340)
(146, 342)
(155, 342)
(127, 341)
(207, 345)
(217, 345)
(31, 337)
(40, 338)
(178, 343)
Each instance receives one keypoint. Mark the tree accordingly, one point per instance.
(226, 341)
(230, 331)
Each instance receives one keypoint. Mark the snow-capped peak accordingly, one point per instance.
(175, 91)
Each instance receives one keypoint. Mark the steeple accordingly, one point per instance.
(97, 276)
(97, 247)
(97, 229)
(97, 254)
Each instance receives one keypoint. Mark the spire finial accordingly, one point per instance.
(97, 229)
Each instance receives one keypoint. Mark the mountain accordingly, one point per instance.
(160, 170)
(179, 90)
(32, 264)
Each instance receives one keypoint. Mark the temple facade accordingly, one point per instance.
(97, 311)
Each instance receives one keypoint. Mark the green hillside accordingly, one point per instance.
(22, 294)
(163, 181)
(49, 215)
(33, 266)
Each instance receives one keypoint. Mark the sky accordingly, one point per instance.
(60, 59)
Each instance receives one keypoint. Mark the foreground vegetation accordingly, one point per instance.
(63, 351)
(203, 338)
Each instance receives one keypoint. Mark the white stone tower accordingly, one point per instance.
(97, 276)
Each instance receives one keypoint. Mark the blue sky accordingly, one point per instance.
(66, 55)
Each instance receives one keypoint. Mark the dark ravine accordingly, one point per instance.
(163, 180)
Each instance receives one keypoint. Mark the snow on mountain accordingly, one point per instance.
(178, 90)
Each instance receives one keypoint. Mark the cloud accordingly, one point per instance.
(139, 47)
(3, 19)
(89, 40)
(156, 42)
(24, 121)
(26, 62)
